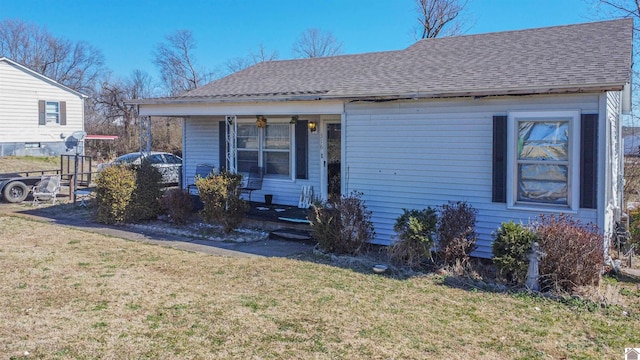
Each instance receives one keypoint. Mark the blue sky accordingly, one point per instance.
(126, 31)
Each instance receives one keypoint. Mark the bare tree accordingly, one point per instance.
(109, 114)
(176, 61)
(76, 65)
(439, 17)
(621, 8)
(313, 43)
(239, 63)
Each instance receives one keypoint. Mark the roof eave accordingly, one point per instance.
(415, 95)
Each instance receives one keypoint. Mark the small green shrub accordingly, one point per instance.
(220, 195)
(342, 225)
(511, 246)
(145, 200)
(114, 188)
(415, 230)
(177, 204)
(456, 232)
(574, 252)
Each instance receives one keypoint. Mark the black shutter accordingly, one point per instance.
(42, 112)
(302, 152)
(589, 161)
(499, 191)
(222, 145)
(63, 113)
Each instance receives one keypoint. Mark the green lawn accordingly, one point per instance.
(70, 294)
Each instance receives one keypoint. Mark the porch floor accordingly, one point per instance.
(277, 213)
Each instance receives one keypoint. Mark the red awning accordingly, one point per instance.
(100, 137)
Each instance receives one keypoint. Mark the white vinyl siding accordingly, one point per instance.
(20, 92)
(414, 154)
(613, 163)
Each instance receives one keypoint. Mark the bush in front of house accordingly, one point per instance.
(114, 189)
(456, 232)
(145, 200)
(511, 246)
(415, 230)
(342, 225)
(574, 252)
(634, 228)
(220, 195)
(177, 204)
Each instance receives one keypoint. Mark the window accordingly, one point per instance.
(248, 147)
(276, 149)
(543, 163)
(53, 112)
(269, 147)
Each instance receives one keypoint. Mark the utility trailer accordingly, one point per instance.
(15, 187)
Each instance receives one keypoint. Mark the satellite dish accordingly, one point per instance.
(79, 135)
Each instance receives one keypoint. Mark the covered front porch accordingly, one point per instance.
(296, 144)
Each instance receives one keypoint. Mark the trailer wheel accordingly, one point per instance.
(15, 192)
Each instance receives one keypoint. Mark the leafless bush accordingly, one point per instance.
(574, 252)
(342, 225)
(456, 231)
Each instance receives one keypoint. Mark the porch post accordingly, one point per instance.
(232, 138)
(145, 134)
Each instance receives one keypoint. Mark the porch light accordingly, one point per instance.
(261, 121)
(312, 126)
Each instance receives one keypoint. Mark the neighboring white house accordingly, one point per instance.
(37, 114)
(516, 123)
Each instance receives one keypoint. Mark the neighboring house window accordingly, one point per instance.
(543, 158)
(269, 147)
(52, 112)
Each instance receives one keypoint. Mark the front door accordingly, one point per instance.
(333, 134)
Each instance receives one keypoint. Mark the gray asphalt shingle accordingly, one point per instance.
(582, 57)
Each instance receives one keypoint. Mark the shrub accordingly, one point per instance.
(177, 204)
(574, 252)
(415, 230)
(114, 188)
(145, 200)
(511, 247)
(342, 225)
(634, 228)
(456, 232)
(220, 195)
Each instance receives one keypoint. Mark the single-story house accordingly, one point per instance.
(516, 123)
(37, 114)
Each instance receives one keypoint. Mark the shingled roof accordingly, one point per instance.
(573, 58)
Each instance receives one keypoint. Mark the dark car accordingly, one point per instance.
(170, 165)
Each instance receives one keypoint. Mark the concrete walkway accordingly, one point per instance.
(266, 248)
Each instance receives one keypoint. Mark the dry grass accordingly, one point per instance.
(72, 294)
(12, 164)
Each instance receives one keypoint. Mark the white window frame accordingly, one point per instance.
(47, 112)
(262, 149)
(573, 182)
